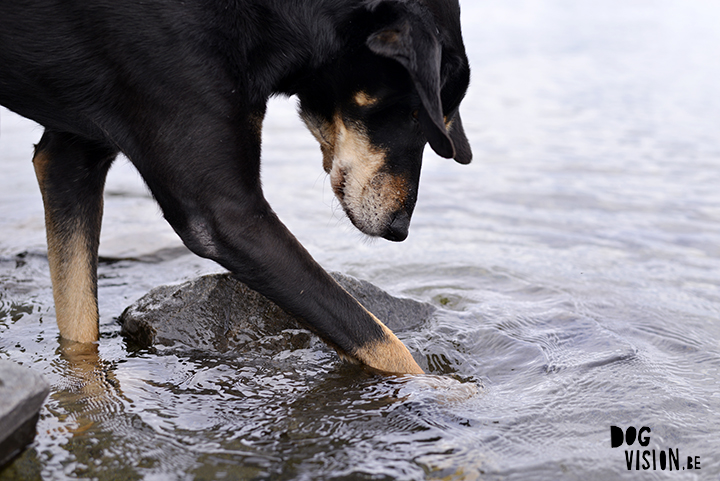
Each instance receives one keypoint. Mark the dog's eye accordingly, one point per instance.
(415, 114)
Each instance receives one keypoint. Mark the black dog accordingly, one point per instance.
(180, 88)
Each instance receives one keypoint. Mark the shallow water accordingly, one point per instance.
(576, 265)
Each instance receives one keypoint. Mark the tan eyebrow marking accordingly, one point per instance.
(364, 100)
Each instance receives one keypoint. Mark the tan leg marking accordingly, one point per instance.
(388, 355)
(71, 263)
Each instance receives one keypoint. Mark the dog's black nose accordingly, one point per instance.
(397, 231)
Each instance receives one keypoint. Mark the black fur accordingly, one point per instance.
(181, 88)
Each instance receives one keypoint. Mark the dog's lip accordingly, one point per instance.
(337, 181)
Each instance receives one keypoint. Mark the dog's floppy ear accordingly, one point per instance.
(419, 52)
(463, 153)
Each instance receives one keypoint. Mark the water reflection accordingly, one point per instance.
(255, 416)
(89, 392)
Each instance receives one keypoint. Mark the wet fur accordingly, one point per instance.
(181, 88)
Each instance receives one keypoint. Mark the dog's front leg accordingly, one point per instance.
(274, 263)
(253, 244)
(212, 198)
(71, 172)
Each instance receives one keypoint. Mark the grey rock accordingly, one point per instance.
(219, 313)
(22, 393)
(398, 314)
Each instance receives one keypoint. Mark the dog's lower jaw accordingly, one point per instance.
(395, 228)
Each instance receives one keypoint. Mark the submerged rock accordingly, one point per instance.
(219, 313)
(22, 393)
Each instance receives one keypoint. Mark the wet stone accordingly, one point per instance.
(221, 314)
(22, 393)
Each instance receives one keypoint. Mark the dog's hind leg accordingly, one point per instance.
(71, 172)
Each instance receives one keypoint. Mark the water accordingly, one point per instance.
(576, 263)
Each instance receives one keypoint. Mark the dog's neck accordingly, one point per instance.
(307, 34)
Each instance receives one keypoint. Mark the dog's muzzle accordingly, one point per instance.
(380, 207)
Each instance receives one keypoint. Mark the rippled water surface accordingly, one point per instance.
(575, 265)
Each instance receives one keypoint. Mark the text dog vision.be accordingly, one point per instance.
(649, 458)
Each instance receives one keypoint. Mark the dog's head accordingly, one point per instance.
(395, 86)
